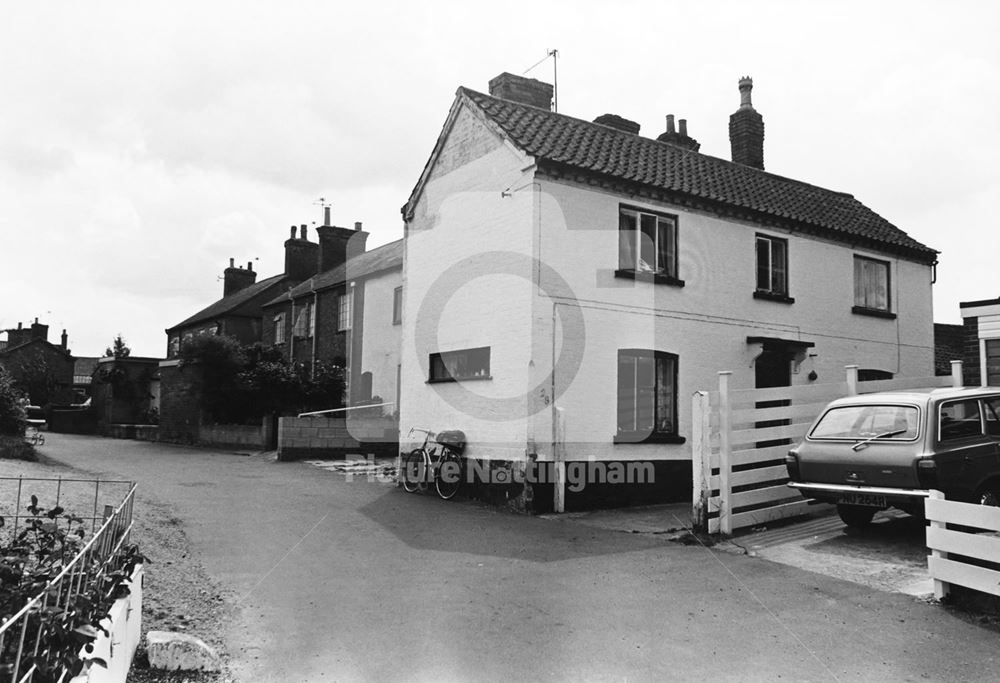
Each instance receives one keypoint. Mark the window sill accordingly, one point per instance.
(873, 312)
(445, 380)
(648, 438)
(771, 296)
(655, 278)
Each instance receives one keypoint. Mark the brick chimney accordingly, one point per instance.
(301, 255)
(618, 122)
(337, 245)
(507, 86)
(746, 130)
(678, 137)
(236, 278)
(39, 331)
(17, 337)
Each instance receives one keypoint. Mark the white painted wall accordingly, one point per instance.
(707, 321)
(474, 206)
(380, 350)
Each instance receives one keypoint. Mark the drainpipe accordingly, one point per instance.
(315, 317)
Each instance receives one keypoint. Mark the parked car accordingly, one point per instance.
(888, 449)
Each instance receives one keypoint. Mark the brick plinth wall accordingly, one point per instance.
(336, 437)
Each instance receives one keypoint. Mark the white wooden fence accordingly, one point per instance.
(739, 479)
(978, 541)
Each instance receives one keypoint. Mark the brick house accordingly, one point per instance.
(568, 284)
(43, 369)
(981, 342)
(348, 314)
(239, 312)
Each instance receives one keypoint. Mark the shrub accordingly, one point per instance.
(29, 560)
(13, 419)
(16, 448)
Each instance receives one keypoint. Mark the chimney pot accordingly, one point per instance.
(250, 266)
(19, 326)
(670, 123)
(357, 225)
(682, 127)
(326, 215)
(232, 262)
(291, 235)
(302, 233)
(746, 85)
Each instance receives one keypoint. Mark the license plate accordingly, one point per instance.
(864, 499)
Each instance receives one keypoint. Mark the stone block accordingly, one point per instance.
(170, 651)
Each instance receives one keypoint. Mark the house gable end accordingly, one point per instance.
(468, 134)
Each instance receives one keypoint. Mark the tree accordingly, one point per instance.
(119, 350)
(12, 416)
(35, 376)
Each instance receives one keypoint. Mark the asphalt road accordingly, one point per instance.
(357, 580)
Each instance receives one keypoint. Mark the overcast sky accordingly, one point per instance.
(143, 144)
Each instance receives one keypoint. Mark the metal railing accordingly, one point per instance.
(23, 634)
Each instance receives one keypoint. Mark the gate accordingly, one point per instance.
(737, 482)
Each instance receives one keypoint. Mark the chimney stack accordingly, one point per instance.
(679, 137)
(338, 245)
(507, 86)
(65, 340)
(618, 122)
(326, 215)
(300, 256)
(39, 331)
(746, 130)
(234, 279)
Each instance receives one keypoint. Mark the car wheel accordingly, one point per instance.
(856, 516)
(989, 495)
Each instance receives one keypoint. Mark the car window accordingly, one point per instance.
(991, 410)
(959, 420)
(864, 422)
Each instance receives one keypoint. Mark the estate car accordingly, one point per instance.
(888, 449)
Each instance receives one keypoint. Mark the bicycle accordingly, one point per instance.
(33, 435)
(441, 463)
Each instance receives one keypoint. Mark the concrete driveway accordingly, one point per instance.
(357, 580)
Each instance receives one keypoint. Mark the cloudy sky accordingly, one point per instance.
(144, 144)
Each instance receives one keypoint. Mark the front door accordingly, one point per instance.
(773, 368)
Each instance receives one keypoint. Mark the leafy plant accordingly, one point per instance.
(13, 419)
(118, 349)
(69, 617)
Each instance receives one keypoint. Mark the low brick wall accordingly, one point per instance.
(336, 437)
(137, 432)
(232, 436)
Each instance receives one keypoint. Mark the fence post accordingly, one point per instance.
(701, 459)
(559, 462)
(725, 454)
(940, 587)
(957, 380)
(852, 379)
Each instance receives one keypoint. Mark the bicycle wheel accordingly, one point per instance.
(414, 470)
(448, 476)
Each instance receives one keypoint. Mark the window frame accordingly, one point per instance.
(667, 274)
(961, 437)
(279, 328)
(345, 310)
(861, 301)
(437, 365)
(770, 293)
(634, 436)
(397, 305)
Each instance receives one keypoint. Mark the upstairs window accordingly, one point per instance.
(647, 245)
(343, 312)
(397, 306)
(772, 267)
(451, 366)
(647, 396)
(871, 286)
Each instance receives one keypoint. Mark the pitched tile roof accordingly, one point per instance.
(229, 304)
(382, 258)
(565, 142)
